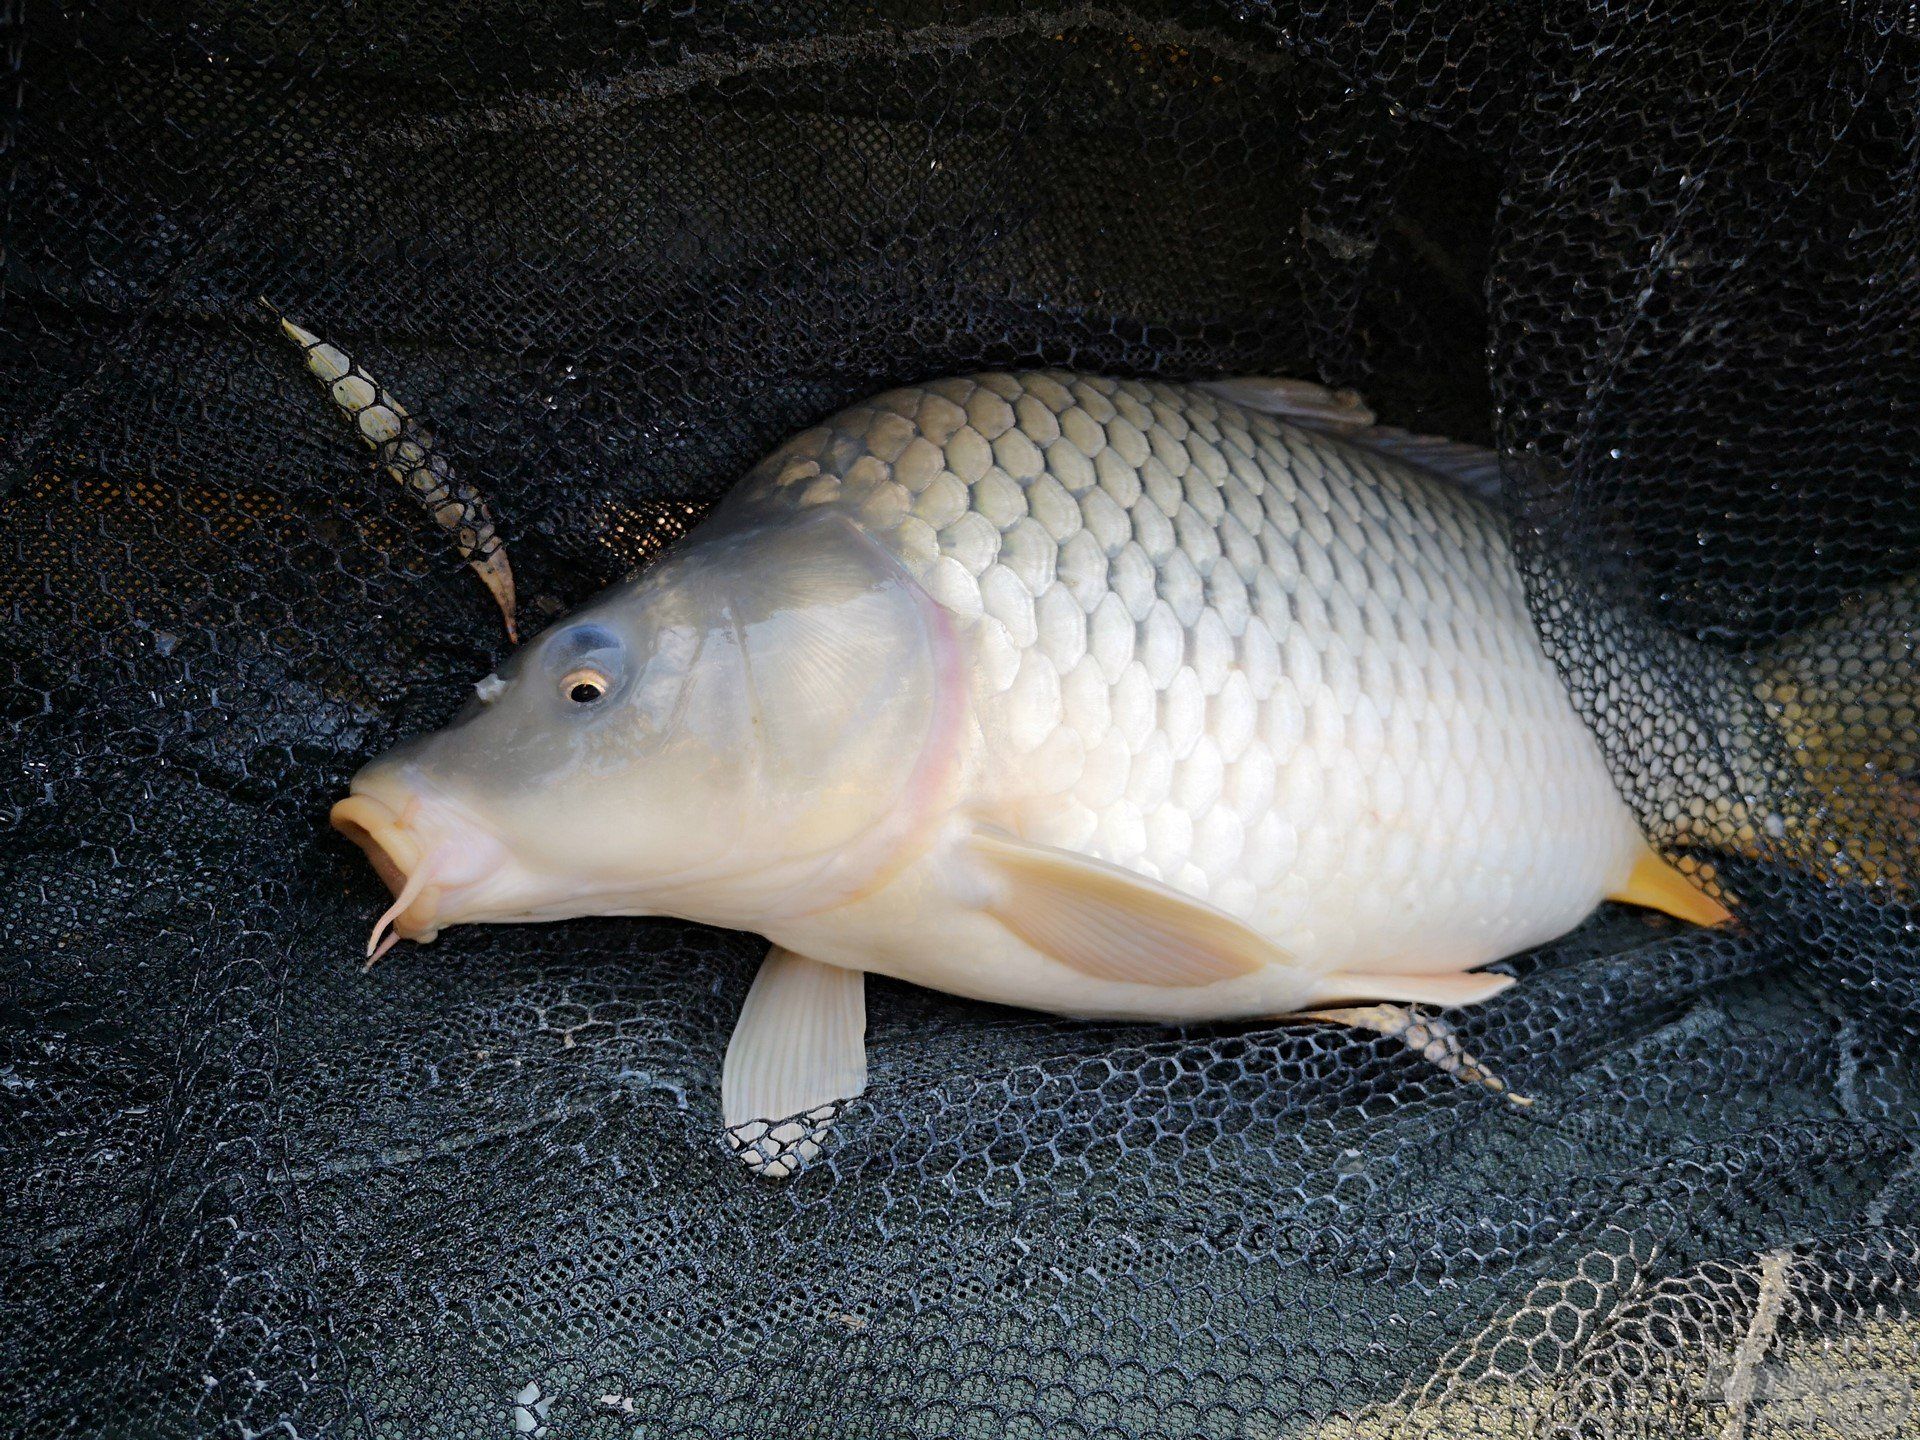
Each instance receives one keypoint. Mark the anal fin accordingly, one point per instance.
(1658, 884)
(797, 1054)
(1428, 1036)
(1459, 987)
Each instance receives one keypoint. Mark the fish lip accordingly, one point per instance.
(395, 853)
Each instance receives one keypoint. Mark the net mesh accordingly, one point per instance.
(1667, 256)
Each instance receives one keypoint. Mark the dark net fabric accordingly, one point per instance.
(1667, 256)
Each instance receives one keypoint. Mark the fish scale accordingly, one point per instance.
(1270, 668)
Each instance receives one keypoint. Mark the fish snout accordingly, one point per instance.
(430, 857)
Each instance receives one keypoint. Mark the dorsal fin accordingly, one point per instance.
(1345, 416)
(1474, 468)
(1337, 412)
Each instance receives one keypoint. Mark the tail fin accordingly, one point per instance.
(1843, 696)
(1661, 885)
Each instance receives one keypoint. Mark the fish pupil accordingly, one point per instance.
(585, 693)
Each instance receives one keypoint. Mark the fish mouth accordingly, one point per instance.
(436, 859)
(376, 830)
(403, 863)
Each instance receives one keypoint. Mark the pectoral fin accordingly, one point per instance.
(1110, 923)
(409, 454)
(798, 1052)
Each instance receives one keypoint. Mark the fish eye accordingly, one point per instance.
(584, 686)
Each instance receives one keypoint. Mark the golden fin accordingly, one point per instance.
(1461, 987)
(1112, 924)
(1659, 885)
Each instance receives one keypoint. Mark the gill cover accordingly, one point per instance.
(853, 698)
(758, 726)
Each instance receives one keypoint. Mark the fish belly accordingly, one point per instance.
(1269, 668)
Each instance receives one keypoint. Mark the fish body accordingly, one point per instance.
(1269, 668)
(1101, 697)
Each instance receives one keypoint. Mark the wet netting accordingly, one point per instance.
(1665, 256)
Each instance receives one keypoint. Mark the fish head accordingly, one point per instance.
(761, 725)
